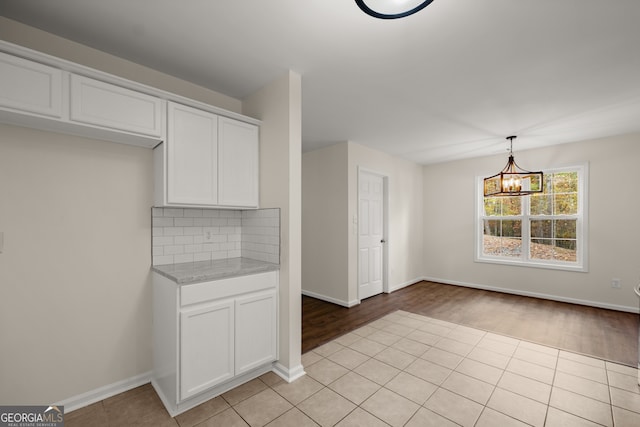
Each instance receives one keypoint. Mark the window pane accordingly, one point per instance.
(565, 204)
(511, 206)
(569, 244)
(511, 228)
(534, 182)
(565, 250)
(502, 238)
(492, 206)
(541, 204)
(548, 183)
(502, 246)
(565, 182)
(502, 206)
(566, 229)
(503, 228)
(542, 228)
(553, 249)
(492, 227)
(541, 249)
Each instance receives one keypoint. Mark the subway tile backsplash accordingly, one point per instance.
(188, 235)
(260, 237)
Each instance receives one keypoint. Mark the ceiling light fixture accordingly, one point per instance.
(392, 9)
(513, 180)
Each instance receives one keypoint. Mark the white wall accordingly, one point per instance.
(614, 230)
(325, 225)
(330, 202)
(74, 274)
(75, 294)
(421, 205)
(279, 106)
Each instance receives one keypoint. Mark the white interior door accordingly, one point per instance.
(370, 234)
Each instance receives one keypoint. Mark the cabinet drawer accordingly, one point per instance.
(30, 87)
(102, 104)
(224, 288)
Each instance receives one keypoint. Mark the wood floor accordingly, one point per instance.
(606, 334)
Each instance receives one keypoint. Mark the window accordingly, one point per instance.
(545, 229)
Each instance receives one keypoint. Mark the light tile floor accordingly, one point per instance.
(409, 370)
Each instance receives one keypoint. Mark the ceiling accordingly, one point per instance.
(449, 82)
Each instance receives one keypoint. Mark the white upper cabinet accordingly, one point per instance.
(106, 105)
(36, 95)
(206, 161)
(237, 163)
(192, 156)
(204, 156)
(30, 87)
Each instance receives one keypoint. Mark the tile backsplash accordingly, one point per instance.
(188, 235)
(260, 235)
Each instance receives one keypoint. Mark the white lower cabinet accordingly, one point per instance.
(255, 331)
(206, 347)
(212, 336)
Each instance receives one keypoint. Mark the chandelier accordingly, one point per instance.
(513, 180)
(392, 9)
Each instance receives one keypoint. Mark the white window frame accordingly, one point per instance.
(525, 260)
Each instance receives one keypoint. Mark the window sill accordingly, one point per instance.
(548, 266)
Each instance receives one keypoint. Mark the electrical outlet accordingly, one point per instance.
(616, 283)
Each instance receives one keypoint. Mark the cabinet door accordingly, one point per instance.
(30, 87)
(256, 330)
(192, 156)
(102, 104)
(238, 147)
(206, 347)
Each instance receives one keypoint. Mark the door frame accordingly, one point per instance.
(385, 229)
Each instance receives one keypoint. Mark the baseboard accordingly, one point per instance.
(168, 404)
(330, 299)
(349, 304)
(175, 409)
(405, 284)
(289, 375)
(597, 304)
(104, 392)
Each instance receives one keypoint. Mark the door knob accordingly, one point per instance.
(382, 241)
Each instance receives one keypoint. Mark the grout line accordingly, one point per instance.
(513, 356)
(389, 321)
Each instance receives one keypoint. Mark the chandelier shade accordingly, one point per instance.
(513, 180)
(392, 9)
